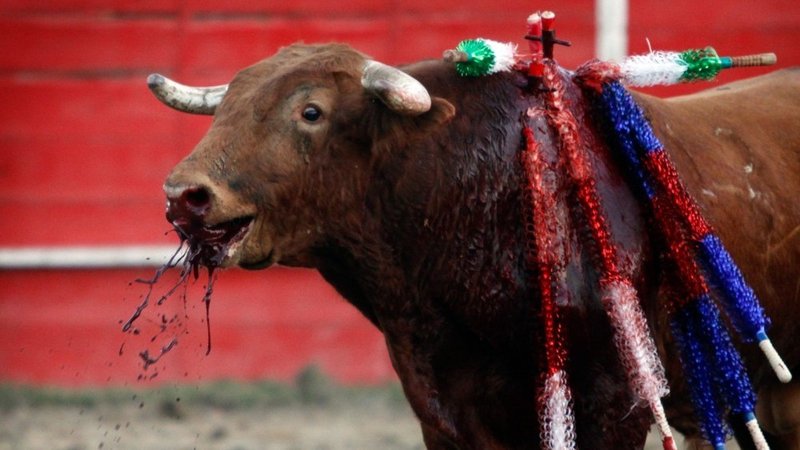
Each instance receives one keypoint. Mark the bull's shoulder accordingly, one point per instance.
(759, 112)
(777, 92)
(768, 85)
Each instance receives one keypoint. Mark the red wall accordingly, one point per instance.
(84, 149)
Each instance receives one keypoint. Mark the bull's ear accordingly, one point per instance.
(405, 128)
(440, 113)
(387, 127)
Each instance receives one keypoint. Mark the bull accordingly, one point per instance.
(403, 189)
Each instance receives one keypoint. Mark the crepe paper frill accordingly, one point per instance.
(717, 378)
(666, 68)
(544, 251)
(619, 298)
(479, 57)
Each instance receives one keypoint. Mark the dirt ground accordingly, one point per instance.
(282, 428)
(128, 427)
(224, 416)
(217, 417)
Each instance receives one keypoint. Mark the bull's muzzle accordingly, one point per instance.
(194, 212)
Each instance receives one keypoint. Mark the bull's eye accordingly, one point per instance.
(312, 113)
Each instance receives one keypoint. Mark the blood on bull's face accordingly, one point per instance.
(288, 146)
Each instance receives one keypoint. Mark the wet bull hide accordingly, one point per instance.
(405, 193)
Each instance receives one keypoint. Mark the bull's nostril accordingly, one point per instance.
(197, 198)
(187, 204)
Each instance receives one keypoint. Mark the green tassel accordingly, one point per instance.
(702, 64)
(480, 58)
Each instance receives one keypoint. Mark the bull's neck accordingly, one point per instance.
(440, 214)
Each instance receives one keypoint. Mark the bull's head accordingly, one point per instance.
(290, 147)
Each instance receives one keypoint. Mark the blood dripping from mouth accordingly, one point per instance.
(189, 258)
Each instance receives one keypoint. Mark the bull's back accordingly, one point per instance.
(737, 148)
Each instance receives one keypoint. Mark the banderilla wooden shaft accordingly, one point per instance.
(761, 59)
(455, 56)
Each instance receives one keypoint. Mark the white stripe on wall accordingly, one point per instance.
(84, 257)
(611, 29)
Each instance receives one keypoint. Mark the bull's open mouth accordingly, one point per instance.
(209, 246)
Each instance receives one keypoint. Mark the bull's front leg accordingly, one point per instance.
(778, 411)
(412, 362)
(444, 385)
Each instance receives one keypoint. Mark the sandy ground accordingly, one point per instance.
(179, 419)
(72, 428)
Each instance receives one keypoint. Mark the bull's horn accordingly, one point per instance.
(195, 100)
(398, 90)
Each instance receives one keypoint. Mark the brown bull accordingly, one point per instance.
(405, 194)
